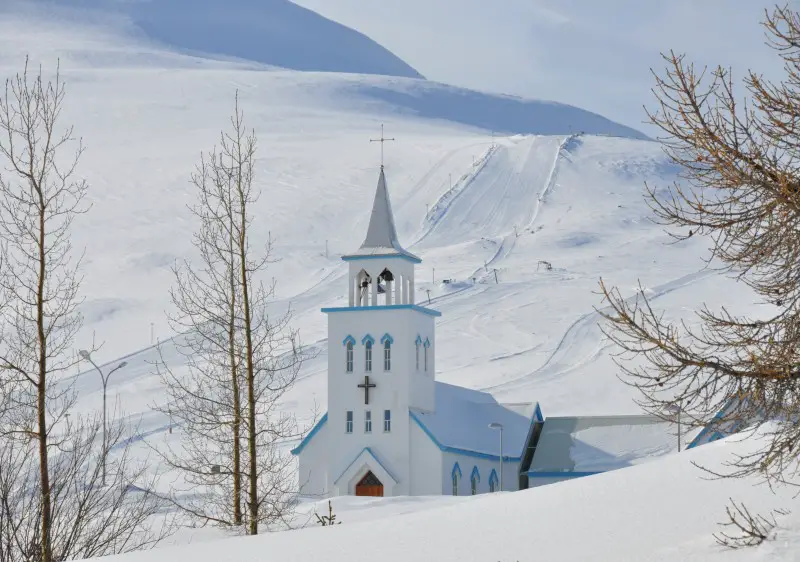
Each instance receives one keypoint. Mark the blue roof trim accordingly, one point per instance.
(412, 259)
(537, 414)
(476, 474)
(418, 308)
(299, 449)
(418, 341)
(386, 337)
(456, 469)
(456, 450)
(532, 474)
(366, 339)
(350, 339)
(361, 452)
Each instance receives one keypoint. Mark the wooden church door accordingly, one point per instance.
(369, 486)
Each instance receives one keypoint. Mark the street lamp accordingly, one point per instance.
(86, 355)
(495, 425)
(675, 409)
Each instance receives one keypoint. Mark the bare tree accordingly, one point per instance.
(46, 473)
(740, 188)
(241, 360)
(751, 529)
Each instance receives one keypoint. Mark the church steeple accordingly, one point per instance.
(381, 239)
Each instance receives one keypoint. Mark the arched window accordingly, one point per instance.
(368, 357)
(474, 480)
(417, 343)
(493, 481)
(426, 345)
(387, 342)
(349, 360)
(456, 476)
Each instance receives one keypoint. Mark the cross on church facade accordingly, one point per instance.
(366, 385)
(381, 140)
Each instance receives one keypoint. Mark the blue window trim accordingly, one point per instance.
(532, 474)
(418, 341)
(412, 259)
(456, 469)
(426, 343)
(388, 337)
(493, 478)
(422, 309)
(299, 449)
(476, 474)
(350, 339)
(456, 450)
(366, 339)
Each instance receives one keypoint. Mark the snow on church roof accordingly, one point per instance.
(381, 239)
(462, 419)
(601, 443)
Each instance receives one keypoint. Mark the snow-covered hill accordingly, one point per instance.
(660, 511)
(273, 32)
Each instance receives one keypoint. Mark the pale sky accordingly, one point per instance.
(595, 54)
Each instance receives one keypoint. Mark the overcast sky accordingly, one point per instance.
(595, 54)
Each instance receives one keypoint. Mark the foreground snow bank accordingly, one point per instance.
(664, 510)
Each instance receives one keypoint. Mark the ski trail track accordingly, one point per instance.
(583, 341)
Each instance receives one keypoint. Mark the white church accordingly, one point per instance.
(390, 428)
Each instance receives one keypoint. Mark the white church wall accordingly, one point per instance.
(426, 463)
(391, 391)
(485, 466)
(313, 465)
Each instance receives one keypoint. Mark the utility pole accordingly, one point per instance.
(496, 282)
(433, 276)
(152, 333)
(429, 295)
(326, 249)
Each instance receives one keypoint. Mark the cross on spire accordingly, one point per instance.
(381, 140)
(366, 385)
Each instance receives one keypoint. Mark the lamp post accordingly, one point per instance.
(675, 409)
(495, 425)
(86, 355)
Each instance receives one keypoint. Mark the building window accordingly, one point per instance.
(387, 421)
(493, 487)
(349, 360)
(426, 358)
(474, 480)
(368, 357)
(387, 356)
(368, 421)
(348, 426)
(417, 350)
(456, 477)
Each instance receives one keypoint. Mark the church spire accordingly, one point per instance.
(381, 239)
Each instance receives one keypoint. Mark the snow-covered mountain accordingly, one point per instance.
(555, 184)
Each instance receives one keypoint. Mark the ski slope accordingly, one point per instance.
(482, 211)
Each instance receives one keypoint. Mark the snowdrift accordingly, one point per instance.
(662, 511)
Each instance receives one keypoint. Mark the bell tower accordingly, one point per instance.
(381, 346)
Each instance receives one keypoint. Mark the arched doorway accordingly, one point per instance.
(369, 486)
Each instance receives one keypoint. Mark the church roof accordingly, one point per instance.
(381, 239)
(601, 443)
(461, 421)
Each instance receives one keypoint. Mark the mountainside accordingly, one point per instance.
(274, 32)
